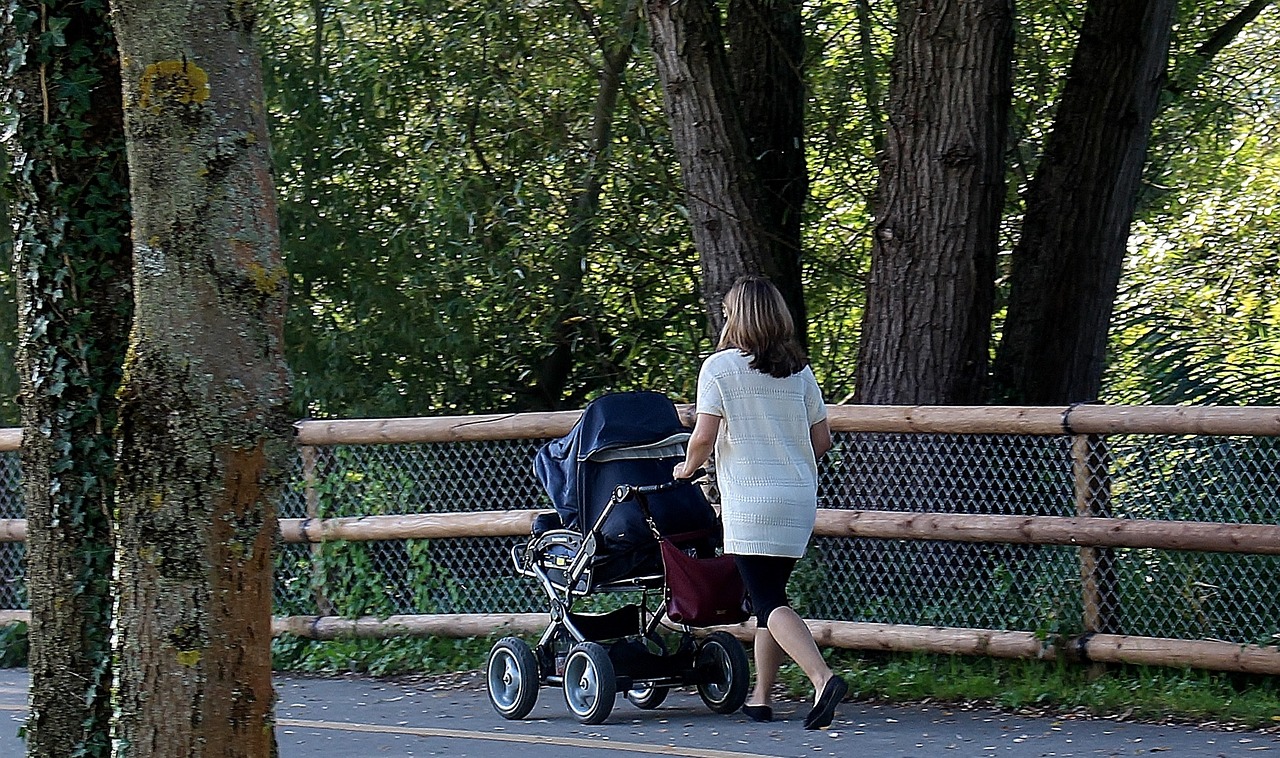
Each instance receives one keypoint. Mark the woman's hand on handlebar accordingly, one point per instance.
(683, 472)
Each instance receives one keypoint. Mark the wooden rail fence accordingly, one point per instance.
(1084, 531)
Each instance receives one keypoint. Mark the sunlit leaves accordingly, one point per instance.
(1197, 320)
(429, 153)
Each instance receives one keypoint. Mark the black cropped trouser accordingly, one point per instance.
(765, 577)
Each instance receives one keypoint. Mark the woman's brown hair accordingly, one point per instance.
(758, 323)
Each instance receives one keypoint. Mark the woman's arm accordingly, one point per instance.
(820, 438)
(701, 443)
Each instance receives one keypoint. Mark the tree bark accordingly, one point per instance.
(723, 187)
(766, 61)
(1066, 268)
(72, 259)
(203, 433)
(931, 290)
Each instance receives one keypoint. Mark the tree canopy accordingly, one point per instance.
(461, 235)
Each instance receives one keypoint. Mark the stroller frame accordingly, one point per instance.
(593, 657)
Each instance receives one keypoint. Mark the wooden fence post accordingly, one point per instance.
(1091, 476)
(309, 455)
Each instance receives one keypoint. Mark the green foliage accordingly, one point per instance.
(429, 161)
(430, 655)
(432, 159)
(1197, 319)
(13, 645)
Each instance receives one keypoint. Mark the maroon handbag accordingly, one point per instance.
(703, 591)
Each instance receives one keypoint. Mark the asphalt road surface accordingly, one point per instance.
(355, 717)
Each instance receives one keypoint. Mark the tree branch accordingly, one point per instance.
(1189, 71)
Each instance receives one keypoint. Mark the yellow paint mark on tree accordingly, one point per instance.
(173, 83)
(188, 657)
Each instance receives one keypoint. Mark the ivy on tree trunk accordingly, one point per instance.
(70, 216)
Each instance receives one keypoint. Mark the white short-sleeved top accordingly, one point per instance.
(765, 467)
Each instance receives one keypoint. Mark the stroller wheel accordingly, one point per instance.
(512, 676)
(590, 686)
(648, 696)
(723, 675)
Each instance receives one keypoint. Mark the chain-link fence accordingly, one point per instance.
(12, 590)
(1048, 589)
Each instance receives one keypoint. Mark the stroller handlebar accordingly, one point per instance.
(625, 491)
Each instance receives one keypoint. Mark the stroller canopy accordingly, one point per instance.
(630, 438)
(643, 423)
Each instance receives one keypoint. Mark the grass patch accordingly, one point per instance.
(1131, 692)
(405, 655)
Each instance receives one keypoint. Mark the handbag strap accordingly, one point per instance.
(642, 500)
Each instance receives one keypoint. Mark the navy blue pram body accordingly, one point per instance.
(632, 438)
(611, 469)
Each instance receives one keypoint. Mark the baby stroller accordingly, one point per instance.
(610, 482)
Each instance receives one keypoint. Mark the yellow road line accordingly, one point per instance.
(538, 739)
(533, 739)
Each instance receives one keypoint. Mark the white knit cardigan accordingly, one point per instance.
(765, 467)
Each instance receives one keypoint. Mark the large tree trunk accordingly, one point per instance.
(927, 324)
(1067, 266)
(766, 62)
(72, 255)
(723, 187)
(203, 432)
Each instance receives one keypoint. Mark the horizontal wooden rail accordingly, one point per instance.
(920, 419)
(13, 530)
(1255, 420)
(504, 426)
(448, 625)
(1256, 539)
(1259, 420)
(1260, 539)
(850, 635)
(417, 526)
(1213, 537)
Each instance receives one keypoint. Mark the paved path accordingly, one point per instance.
(353, 717)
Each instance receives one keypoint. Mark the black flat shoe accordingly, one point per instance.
(758, 712)
(822, 714)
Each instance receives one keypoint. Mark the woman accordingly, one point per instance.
(760, 409)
